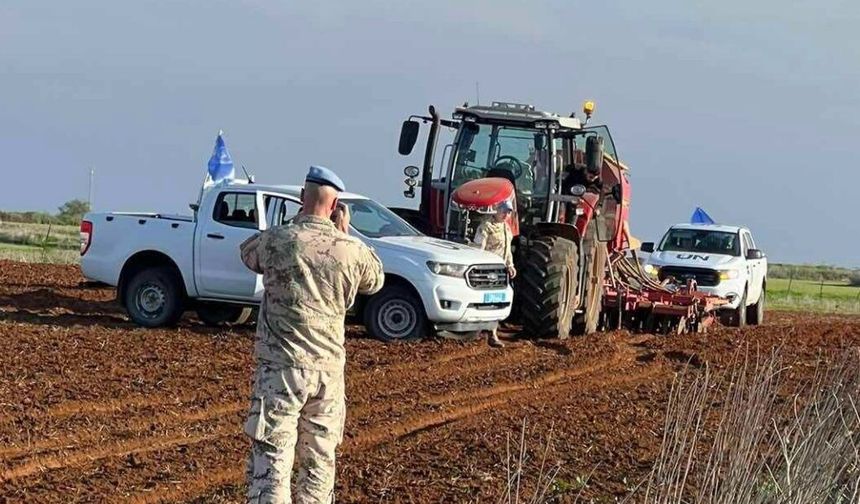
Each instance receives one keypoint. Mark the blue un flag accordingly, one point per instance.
(221, 164)
(701, 217)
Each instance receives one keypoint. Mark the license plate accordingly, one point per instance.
(494, 297)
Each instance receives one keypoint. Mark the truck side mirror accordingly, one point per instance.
(408, 137)
(594, 154)
(754, 254)
(647, 247)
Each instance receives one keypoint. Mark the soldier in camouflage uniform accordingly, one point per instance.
(495, 236)
(312, 271)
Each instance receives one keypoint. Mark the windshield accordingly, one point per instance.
(375, 221)
(486, 150)
(702, 240)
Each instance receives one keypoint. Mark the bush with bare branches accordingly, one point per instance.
(764, 449)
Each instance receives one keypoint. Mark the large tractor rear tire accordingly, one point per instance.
(548, 287)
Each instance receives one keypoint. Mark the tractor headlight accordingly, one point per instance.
(448, 269)
(729, 274)
(651, 269)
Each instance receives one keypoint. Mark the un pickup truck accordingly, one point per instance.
(163, 265)
(723, 260)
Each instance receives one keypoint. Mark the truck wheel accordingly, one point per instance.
(548, 287)
(153, 297)
(395, 314)
(739, 315)
(755, 313)
(217, 314)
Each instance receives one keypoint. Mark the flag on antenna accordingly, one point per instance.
(221, 164)
(701, 217)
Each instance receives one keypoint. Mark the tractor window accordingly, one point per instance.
(602, 131)
(485, 150)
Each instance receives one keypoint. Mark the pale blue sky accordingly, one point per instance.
(749, 109)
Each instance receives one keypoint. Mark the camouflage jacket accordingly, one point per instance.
(311, 273)
(495, 237)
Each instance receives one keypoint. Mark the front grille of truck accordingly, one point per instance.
(704, 277)
(486, 277)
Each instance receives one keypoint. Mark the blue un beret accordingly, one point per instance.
(323, 176)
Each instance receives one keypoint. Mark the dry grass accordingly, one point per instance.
(39, 243)
(26, 254)
(766, 448)
(535, 480)
(41, 235)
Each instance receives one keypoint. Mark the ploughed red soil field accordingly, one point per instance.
(95, 409)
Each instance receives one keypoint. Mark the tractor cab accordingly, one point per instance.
(541, 156)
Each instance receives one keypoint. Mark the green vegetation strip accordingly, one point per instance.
(829, 297)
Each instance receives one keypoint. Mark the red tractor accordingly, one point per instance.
(571, 197)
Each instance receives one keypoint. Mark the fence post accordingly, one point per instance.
(47, 236)
(790, 278)
(821, 289)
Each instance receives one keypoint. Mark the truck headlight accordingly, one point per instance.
(729, 274)
(651, 269)
(447, 269)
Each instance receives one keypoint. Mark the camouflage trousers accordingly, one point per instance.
(295, 414)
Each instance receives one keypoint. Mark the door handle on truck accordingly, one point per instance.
(215, 236)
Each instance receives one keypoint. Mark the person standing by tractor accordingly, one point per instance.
(312, 270)
(494, 235)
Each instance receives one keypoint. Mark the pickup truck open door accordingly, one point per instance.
(220, 272)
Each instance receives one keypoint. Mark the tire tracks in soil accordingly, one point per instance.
(460, 407)
(164, 419)
(234, 475)
(385, 371)
(470, 404)
(71, 408)
(188, 490)
(519, 356)
(116, 449)
(476, 402)
(418, 423)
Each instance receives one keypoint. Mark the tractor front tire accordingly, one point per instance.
(548, 287)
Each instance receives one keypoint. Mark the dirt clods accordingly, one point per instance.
(95, 409)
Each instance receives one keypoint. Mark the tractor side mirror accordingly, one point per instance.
(647, 247)
(594, 154)
(753, 254)
(408, 137)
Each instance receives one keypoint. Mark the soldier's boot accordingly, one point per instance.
(493, 339)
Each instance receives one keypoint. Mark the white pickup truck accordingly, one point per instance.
(723, 260)
(163, 265)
